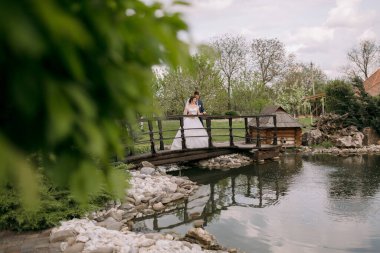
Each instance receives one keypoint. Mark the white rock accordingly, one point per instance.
(147, 170)
(145, 242)
(158, 206)
(82, 238)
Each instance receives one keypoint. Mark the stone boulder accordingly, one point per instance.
(314, 137)
(203, 238)
(147, 164)
(353, 140)
(370, 137)
(147, 170)
(111, 224)
(62, 235)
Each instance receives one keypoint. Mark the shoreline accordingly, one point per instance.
(372, 149)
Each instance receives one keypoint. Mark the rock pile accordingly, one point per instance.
(83, 235)
(226, 162)
(330, 123)
(333, 128)
(151, 192)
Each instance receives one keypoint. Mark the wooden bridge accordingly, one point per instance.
(238, 139)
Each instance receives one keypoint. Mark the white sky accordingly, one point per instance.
(321, 31)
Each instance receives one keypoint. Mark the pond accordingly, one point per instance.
(317, 203)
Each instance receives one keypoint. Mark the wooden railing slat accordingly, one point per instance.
(152, 146)
(208, 125)
(182, 133)
(258, 139)
(159, 124)
(231, 135)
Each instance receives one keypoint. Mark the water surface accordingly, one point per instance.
(301, 204)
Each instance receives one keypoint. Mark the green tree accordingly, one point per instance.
(370, 106)
(230, 60)
(175, 86)
(342, 98)
(70, 71)
(297, 81)
(250, 97)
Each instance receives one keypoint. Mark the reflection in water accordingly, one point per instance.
(353, 175)
(300, 204)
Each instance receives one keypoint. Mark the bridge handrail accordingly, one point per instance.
(208, 128)
(176, 117)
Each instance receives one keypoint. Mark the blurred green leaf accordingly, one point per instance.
(71, 73)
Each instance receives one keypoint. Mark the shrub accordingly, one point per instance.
(324, 144)
(231, 113)
(56, 204)
(70, 71)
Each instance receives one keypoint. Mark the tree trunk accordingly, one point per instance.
(229, 93)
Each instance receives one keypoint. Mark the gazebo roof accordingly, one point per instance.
(284, 120)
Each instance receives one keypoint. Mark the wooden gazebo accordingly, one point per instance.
(289, 131)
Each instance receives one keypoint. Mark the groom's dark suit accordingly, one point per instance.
(201, 108)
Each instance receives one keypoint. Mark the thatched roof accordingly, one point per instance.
(372, 84)
(284, 120)
(272, 109)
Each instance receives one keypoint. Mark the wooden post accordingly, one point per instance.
(258, 138)
(246, 130)
(231, 136)
(208, 125)
(182, 133)
(159, 123)
(275, 129)
(152, 147)
(132, 147)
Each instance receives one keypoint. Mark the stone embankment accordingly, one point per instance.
(152, 192)
(372, 149)
(226, 162)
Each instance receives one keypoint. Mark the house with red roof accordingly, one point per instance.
(372, 84)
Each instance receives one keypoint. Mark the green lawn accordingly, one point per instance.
(306, 123)
(219, 132)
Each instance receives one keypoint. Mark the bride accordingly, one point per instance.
(195, 134)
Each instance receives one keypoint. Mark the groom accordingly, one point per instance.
(200, 105)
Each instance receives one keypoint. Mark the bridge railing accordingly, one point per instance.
(155, 137)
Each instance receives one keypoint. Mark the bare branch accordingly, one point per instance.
(268, 57)
(364, 57)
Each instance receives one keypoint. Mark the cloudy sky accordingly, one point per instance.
(321, 31)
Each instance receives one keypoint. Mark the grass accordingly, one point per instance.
(219, 133)
(324, 144)
(306, 122)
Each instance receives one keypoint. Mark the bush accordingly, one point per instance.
(231, 113)
(70, 71)
(324, 144)
(56, 204)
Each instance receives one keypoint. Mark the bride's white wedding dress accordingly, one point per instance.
(188, 124)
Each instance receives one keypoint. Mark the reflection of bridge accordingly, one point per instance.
(159, 155)
(250, 188)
